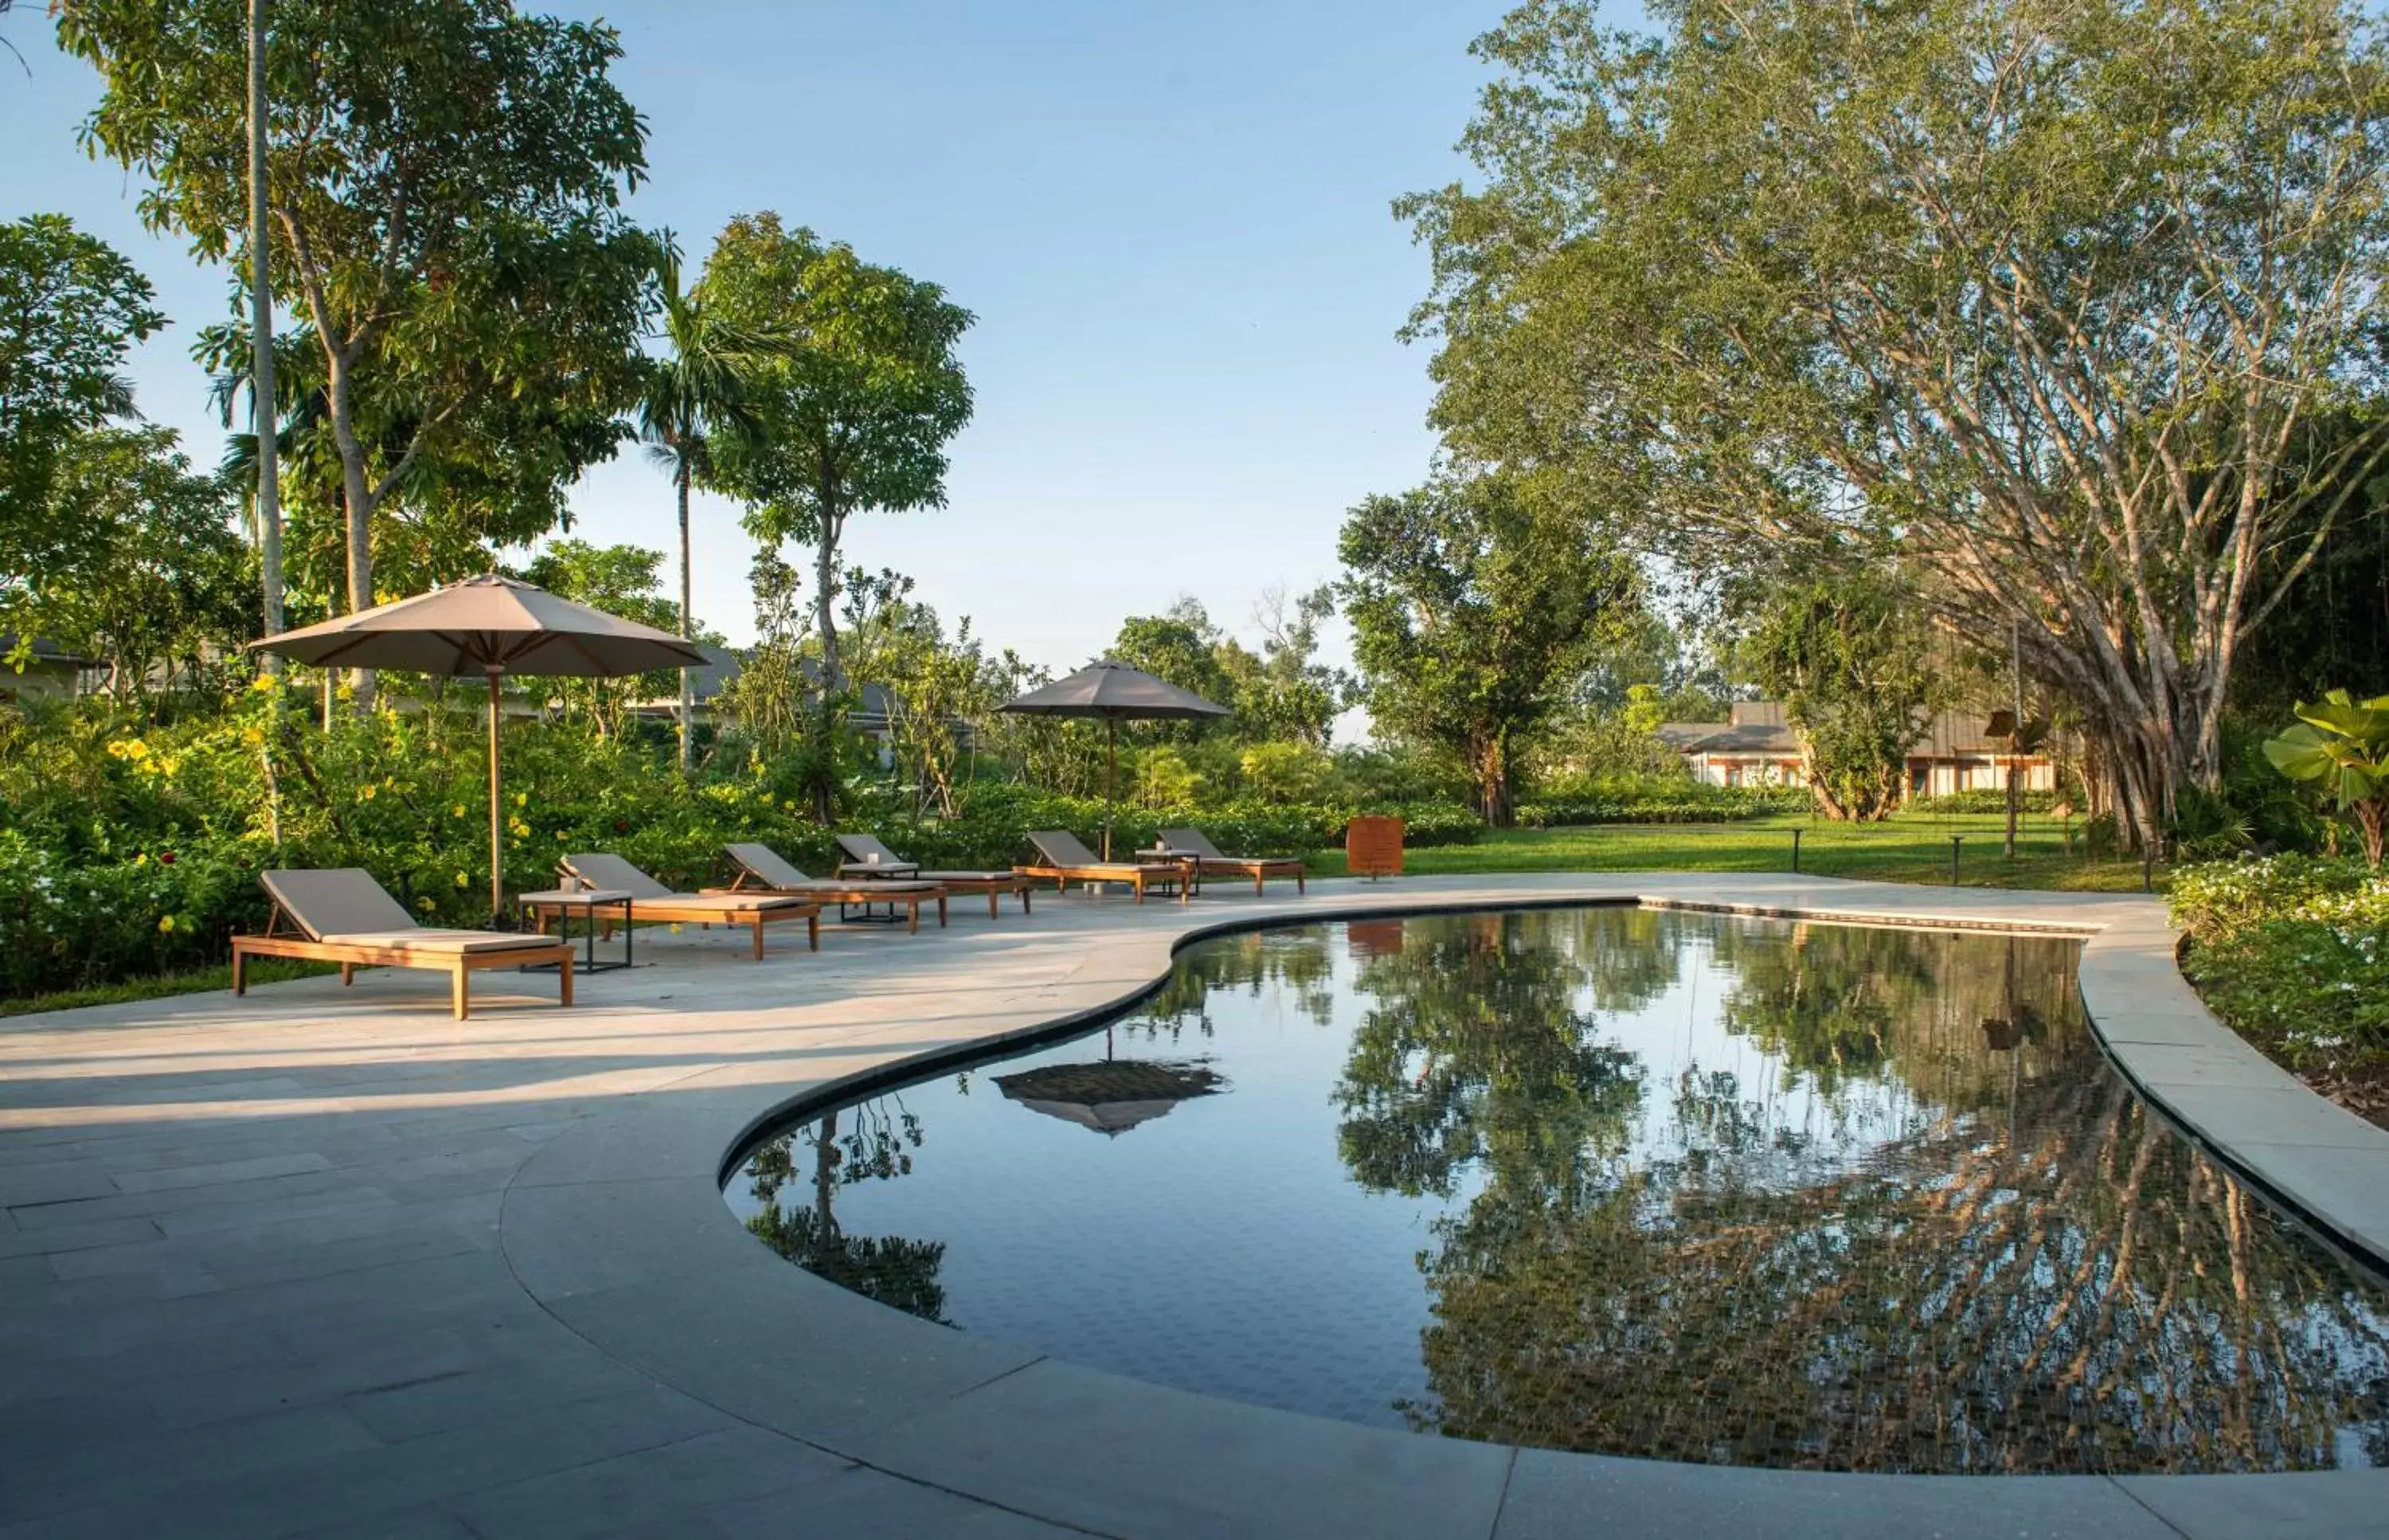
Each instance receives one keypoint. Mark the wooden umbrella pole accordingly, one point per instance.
(1111, 787)
(497, 868)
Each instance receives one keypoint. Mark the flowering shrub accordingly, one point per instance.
(2293, 953)
(128, 853)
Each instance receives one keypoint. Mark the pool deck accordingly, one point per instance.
(325, 1261)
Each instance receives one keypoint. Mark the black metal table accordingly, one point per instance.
(589, 901)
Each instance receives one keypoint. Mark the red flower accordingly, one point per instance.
(165, 858)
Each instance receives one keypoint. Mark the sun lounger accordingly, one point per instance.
(342, 915)
(651, 901)
(1209, 859)
(1063, 859)
(760, 870)
(868, 860)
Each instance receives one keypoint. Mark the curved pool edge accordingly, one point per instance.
(619, 1230)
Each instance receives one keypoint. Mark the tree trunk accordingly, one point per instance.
(826, 587)
(687, 690)
(262, 414)
(1494, 802)
(356, 507)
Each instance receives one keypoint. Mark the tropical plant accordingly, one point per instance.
(1469, 615)
(445, 184)
(71, 309)
(2340, 745)
(854, 410)
(695, 392)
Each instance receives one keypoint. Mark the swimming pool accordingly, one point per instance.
(1627, 1180)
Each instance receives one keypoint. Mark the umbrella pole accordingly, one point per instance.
(497, 868)
(1111, 786)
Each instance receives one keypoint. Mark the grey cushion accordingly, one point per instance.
(599, 869)
(337, 900)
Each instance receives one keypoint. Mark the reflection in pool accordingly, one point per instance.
(1612, 1179)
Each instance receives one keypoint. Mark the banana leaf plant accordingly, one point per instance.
(2342, 746)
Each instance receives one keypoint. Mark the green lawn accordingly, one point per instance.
(1904, 848)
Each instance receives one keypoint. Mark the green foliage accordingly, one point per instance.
(154, 576)
(444, 181)
(1281, 694)
(620, 580)
(1164, 779)
(854, 402)
(1976, 279)
(1469, 615)
(2341, 746)
(1286, 772)
(1983, 800)
(71, 309)
(1652, 799)
(1848, 656)
(2293, 953)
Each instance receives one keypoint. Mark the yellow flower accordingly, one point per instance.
(252, 735)
(166, 923)
(522, 799)
(458, 811)
(366, 793)
(141, 857)
(262, 683)
(345, 692)
(169, 765)
(424, 904)
(460, 880)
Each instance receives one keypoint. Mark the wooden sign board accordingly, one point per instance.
(1373, 847)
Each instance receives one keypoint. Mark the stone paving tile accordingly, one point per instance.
(1121, 1457)
(2325, 1505)
(859, 1502)
(1557, 1496)
(658, 1486)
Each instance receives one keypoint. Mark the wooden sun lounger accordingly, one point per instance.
(651, 901)
(762, 869)
(867, 859)
(1209, 860)
(342, 915)
(1065, 860)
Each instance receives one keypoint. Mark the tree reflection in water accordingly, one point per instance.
(876, 1145)
(1980, 1258)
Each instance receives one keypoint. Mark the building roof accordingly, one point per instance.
(1758, 728)
(44, 651)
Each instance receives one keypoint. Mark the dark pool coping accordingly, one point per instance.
(618, 1227)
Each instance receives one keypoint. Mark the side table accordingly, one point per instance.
(561, 902)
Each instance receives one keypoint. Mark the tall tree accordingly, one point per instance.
(443, 181)
(1848, 656)
(854, 407)
(1470, 616)
(71, 309)
(695, 391)
(2042, 291)
(264, 420)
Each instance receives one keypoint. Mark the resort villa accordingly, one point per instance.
(1756, 747)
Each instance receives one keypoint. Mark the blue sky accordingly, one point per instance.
(1171, 221)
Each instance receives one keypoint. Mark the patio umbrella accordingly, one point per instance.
(1116, 693)
(1111, 1096)
(492, 626)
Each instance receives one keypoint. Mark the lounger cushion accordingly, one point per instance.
(601, 869)
(1195, 840)
(414, 938)
(868, 849)
(337, 900)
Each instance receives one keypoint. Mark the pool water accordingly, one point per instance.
(1626, 1180)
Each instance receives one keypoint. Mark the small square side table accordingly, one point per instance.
(589, 901)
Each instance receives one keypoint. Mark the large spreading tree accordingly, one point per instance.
(2042, 294)
(1471, 616)
(443, 182)
(853, 402)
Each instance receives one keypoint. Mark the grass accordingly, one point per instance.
(1903, 848)
(262, 969)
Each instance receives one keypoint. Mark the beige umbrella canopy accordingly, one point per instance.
(1114, 693)
(494, 626)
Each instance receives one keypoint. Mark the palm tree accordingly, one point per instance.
(696, 391)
